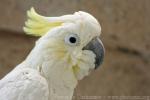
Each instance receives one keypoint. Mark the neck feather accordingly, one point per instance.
(59, 74)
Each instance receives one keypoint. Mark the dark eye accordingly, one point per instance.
(72, 39)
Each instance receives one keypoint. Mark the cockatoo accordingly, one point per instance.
(68, 49)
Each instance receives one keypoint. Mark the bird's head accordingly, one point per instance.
(73, 39)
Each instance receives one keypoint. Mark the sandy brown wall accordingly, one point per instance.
(125, 33)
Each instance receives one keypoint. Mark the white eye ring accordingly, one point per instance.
(72, 39)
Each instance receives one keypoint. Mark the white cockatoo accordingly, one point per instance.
(68, 49)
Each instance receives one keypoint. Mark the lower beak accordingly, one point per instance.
(97, 47)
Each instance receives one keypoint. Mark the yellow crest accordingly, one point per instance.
(38, 25)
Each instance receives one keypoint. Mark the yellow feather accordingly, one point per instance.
(37, 25)
(75, 69)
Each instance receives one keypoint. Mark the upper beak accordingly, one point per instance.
(97, 47)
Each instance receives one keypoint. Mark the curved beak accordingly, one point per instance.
(97, 47)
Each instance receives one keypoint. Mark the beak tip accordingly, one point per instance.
(100, 53)
(99, 60)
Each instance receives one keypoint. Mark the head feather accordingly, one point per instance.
(38, 25)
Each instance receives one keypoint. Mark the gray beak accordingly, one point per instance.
(97, 47)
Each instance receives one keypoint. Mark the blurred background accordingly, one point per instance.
(125, 34)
